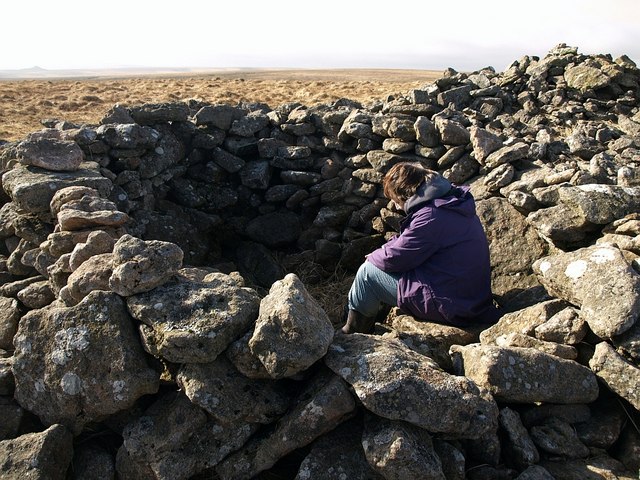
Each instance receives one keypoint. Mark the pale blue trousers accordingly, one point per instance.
(371, 287)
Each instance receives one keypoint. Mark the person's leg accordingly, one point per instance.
(371, 287)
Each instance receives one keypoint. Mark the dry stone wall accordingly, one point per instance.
(153, 324)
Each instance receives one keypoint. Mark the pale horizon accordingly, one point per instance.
(192, 35)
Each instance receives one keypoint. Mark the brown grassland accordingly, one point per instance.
(25, 103)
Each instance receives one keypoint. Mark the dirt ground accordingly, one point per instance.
(25, 103)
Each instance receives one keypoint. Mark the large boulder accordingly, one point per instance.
(193, 322)
(618, 374)
(397, 383)
(292, 331)
(600, 281)
(76, 365)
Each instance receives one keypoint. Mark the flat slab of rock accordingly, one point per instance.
(193, 322)
(32, 188)
(80, 364)
(397, 383)
(37, 455)
(525, 375)
(50, 153)
(599, 280)
(292, 331)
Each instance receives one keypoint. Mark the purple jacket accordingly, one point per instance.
(443, 254)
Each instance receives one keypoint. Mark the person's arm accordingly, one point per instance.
(411, 248)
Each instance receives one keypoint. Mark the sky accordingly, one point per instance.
(409, 34)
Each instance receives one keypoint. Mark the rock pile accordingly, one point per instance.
(152, 324)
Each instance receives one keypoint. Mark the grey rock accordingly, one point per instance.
(565, 327)
(230, 397)
(38, 455)
(128, 136)
(153, 113)
(7, 383)
(193, 322)
(97, 243)
(618, 374)
(461, 171)
(9, 316)
(79, 364)
(585, 77)
(167, 152)
(257, 174)
(557, 437)
(507, 154)
(451, 458)
(519, 448)
(246, 362)
(323, 404)
(228, 161)
(140, 266)
(426, 132)
(218, 115)
(452, 132)
(36, 295)
(600, 281)
(32, 188)
(538, 414)
(258, 265)
(513, 246)
(431, 339)
(50, 154)
(397, 383)
(483, 143)
(399, 450)
(628, 448)
(92, 275)
(249, 125)
(593, 468)
(519, 340)
(604, 427)
(338, 454)
(525, 375)
(292, 331)
(174, 439)
(499, 177)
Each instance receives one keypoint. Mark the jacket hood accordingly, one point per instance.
(427, 191)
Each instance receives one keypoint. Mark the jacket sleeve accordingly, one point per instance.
(417, 242)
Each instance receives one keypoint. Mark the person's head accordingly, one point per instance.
(403, 179)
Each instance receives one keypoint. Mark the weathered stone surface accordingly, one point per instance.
(603, 428)
(246, 362)
(92, 275)
(32, 188)
(593, 468)
(432, 339)
(484, 143)
(36, 295)
(51, 154)
(39, 455)
(128, 135)
(98, 242)
(324, 404)
(523, 321)
(565, 327)
(193, 322)
(520, 450)
(275, 229)
(451, 132)
(399, 450)
(585, 77)
(525, 375)
(513, 246)
(174, 440)
(152, 113)
(507, 154)
(535, 472)
(557, 437)
(519, 340)
(292, 331)
(9, 317)
(77, 365)
(7, 384)
(139, 266)
(600, 281)
(338, 454)
(230, 397)
(397, 383)
(619, 375)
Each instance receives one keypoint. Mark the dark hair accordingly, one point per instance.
(403, 179)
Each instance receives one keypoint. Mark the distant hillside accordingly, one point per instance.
(42, 73)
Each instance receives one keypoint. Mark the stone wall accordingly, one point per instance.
(149, 288)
